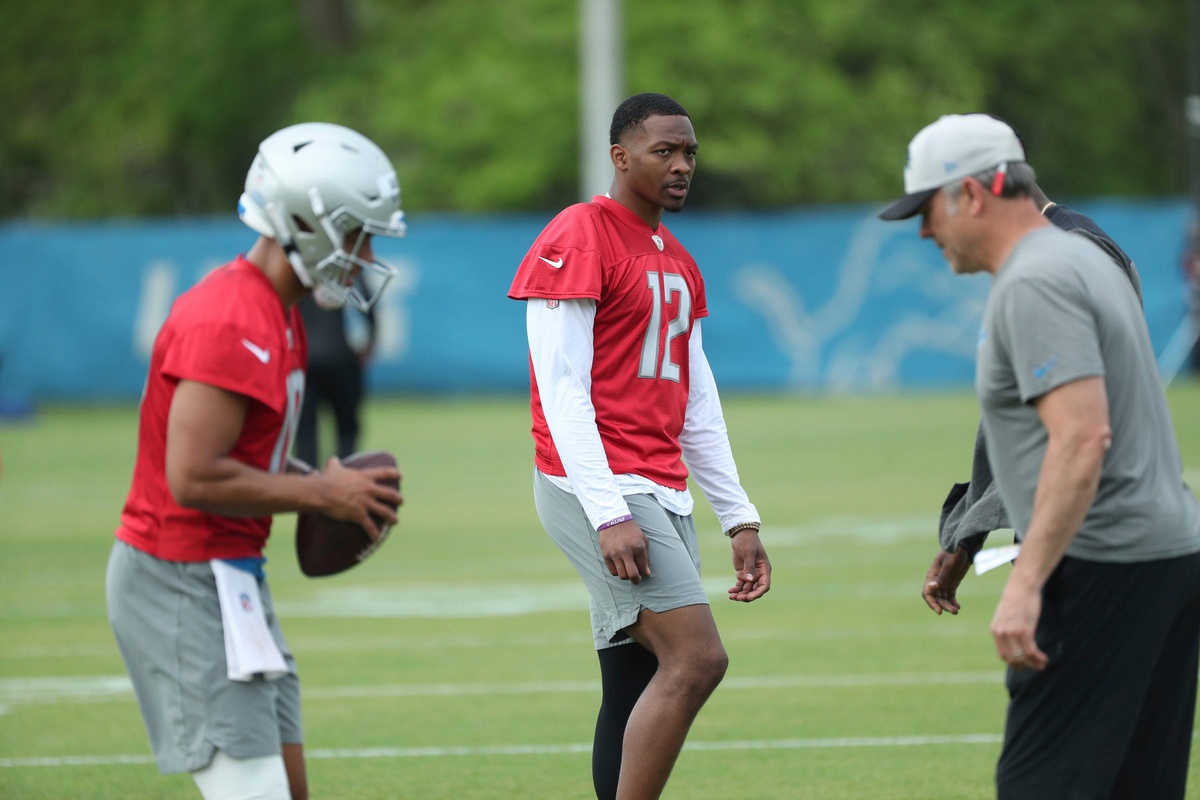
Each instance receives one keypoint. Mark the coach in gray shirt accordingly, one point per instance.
(1099, 621)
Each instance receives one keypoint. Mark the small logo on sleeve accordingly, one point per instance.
(1044, 369)
(261, 353)
(556, 264)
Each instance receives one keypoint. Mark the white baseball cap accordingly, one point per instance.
(955, 146)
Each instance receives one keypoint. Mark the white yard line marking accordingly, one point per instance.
(116, 688)
(512, 599)
(305, 644)
(437, 601)
(519, 599)
(873, 529)
(81, 688)
(545, 749)
(76, 761)
(309, 644)
(566, 687)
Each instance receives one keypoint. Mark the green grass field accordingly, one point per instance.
(458, 662)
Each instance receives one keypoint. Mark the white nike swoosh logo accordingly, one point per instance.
(555, 264)
(262, 355)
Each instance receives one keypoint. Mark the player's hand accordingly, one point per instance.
(942, 580)
(751, 567)
(355, 495)
(1015, 625)
(626, 552)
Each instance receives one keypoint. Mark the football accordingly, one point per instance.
(327, 546)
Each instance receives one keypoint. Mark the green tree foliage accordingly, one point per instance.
(136, 107)
(140, 108)
(476, 102)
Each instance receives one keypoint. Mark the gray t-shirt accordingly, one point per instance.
(1059, 312)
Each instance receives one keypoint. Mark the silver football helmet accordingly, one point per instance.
(320, 190)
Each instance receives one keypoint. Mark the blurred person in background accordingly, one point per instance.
(1099, 621)
(622, 398)
(1191, 279)
(186, 589)
(335, 378)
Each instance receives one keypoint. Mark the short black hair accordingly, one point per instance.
(634, 111)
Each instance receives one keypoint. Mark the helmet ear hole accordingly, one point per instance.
(301, 225)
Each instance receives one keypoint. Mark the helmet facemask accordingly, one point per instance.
(344, 277)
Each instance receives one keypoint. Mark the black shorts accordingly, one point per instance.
(1111, 715)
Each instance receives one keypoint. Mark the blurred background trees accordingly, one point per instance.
(142, 108)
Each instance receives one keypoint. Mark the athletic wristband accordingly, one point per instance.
(743, 526)
(616, 521)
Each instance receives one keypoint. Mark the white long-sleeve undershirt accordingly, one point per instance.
(561, 351)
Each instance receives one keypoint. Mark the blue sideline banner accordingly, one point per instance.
(805, 300)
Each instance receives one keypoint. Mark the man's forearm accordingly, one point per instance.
(1066, 488)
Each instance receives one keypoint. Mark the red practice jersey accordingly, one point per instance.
(648, 292)
(230, 331)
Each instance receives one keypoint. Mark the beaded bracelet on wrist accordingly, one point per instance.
(743, 526)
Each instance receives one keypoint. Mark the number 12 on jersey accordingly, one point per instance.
(668, 290)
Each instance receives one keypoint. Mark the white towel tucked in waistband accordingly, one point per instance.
(250, 649)
(988, 560)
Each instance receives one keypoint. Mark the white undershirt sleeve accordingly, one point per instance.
(705, 443)
(561, 350)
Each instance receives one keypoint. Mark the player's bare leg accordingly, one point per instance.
(293, 762)
(691, 662)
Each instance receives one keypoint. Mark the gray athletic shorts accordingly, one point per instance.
(615, 604)
(167, 622)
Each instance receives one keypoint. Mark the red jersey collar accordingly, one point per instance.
(626, 215)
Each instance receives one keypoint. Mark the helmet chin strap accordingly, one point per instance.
(289, 247)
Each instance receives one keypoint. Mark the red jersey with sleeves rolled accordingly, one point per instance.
(648, 292)
(230, 331)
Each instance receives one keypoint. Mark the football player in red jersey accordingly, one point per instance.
(186, 592)
(622, 398)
